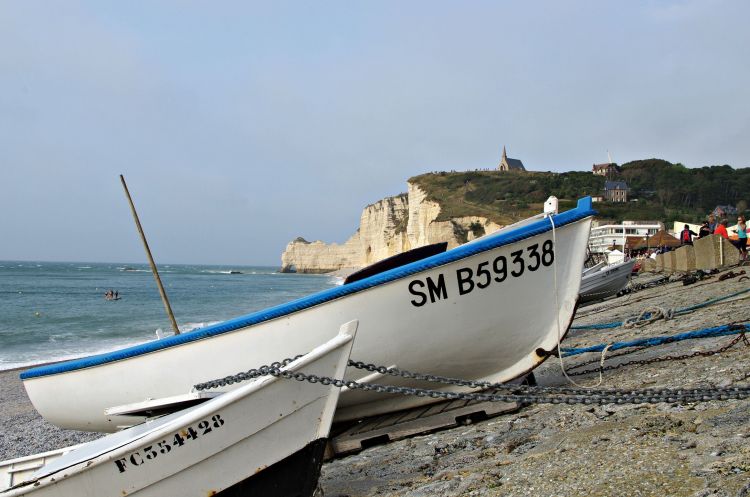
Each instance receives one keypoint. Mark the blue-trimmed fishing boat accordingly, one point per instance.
(491, 309)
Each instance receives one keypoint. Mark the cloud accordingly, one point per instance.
(253, 123)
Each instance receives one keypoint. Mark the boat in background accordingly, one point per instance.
(601, 281)
(266, 437)
(491, 310)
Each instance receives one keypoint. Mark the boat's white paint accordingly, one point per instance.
(605, 281)
(594, 268)
(16, 470)
(264, 421)
(490, 334)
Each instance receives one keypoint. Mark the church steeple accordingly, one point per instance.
(507, 164)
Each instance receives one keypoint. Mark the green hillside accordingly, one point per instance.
(659, 190)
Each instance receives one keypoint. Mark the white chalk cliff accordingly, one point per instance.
(387, 227)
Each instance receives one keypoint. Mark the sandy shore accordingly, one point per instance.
(663, 449)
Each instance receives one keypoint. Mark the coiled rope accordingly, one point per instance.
(651, 314)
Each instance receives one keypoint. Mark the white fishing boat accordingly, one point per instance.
(265, 437)
(602, 281)
(491, 309)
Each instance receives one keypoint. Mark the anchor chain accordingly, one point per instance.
(244, 376)
(515, 393)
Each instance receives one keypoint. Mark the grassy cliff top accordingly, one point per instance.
(659, 190)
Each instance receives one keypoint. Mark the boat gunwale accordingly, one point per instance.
(163, 427)
(501, 238)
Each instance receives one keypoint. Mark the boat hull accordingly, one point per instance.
(605, 282)
(488, 315)
(221, 447)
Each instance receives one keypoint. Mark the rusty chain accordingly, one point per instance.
(653, 360)
(512, 393)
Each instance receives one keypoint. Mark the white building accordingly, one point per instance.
(607, 235)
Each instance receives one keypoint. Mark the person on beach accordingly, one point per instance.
(742, 237)
(686, 236)
(704, 230)
(711, 224)
(117, 295)
(721, 229)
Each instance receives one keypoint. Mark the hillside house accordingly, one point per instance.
(607, 170)
(724, 211)
(616, 191)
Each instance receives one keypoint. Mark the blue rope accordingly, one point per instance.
(600, 326)
(684, 310)
(717, 331)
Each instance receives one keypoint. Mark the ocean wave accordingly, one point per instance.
(33, 358)
(71, 302)
(226, 271)
(185, 328)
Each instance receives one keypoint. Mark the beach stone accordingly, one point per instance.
(648, 265)
(660, 263)
(713, 252)
(670, 261)
(685, 259)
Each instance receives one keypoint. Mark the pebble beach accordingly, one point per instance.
(699, 449)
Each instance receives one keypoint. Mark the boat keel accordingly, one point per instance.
(294, 476)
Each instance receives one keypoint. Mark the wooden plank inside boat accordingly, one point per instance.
(385, 428)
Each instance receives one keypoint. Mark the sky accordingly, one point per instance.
(242, 125)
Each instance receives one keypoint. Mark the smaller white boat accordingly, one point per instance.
(594, 268)
(265, 437)
(600, 281)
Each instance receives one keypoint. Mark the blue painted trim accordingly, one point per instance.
(583, 210)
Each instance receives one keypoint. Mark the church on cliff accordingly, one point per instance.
(507, 164)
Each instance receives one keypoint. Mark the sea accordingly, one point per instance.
(51, 311)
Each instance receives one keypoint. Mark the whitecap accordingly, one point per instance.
(33, 359)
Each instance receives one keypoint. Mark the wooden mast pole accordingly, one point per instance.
(163, 294)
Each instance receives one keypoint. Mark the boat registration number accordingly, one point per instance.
(468, 279)
(179, 439)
